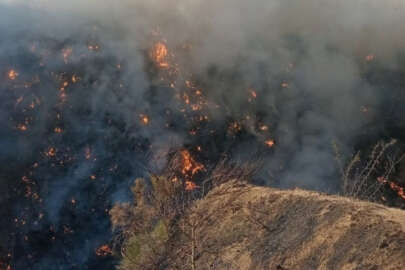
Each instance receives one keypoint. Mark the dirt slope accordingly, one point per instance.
(238, 226)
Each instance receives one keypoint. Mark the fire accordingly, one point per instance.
(65, 84)
(191, 186)
(235, 128)
(264, 128)
(253, 93)
(58, 130)
(87, 153)
(398, 189)
(144, 119)
(370, 57)
(159, 55)
(270, 143)
(12, 74)
(103, 251)
(190, 167)
(22, 127)
(93, 47)
(51, 152)
(66, 53)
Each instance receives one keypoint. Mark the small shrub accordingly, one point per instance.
(145, 251)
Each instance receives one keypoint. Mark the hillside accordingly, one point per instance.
(239, 226)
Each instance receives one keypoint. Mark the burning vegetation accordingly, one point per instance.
(83, 114)
(159, 54)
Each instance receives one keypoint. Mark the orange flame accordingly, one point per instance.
(12, 74)
(144, 119)
(22, 127)
(253, 93)
(398, 189)
(264, 128)
(159, 55)
(190, 166)
(235, 127)
(191, 186)
(103, 251)
(370, 57)
(270, 143)
(58, 130)
(66, 53)
(51, 152)
(87, 153)
(93, 47)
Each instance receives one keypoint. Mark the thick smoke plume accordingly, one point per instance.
(85, 110)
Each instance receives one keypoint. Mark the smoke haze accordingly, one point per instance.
(322, 72)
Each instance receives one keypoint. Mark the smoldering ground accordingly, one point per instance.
(321, 73)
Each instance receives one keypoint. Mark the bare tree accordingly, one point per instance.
(360, 175)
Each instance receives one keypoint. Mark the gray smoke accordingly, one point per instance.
(316, 67)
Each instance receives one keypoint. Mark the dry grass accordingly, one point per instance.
(247, 227)
(359, 175)
(160, 203)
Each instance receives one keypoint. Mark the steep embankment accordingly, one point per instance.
(240, 226)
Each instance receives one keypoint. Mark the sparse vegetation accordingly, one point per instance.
(245, 227)
(364, 176)
(163, 214)
(210, 227)
(147, 224)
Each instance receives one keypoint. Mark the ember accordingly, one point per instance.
(144, 119)
(395, 187)
(370, 57)
(269, 143)
(103, 251)
(66, 53)
(191, 186)
(22, 127)
(51, 152)
(87, 153)
(58, 130)
(12, 74)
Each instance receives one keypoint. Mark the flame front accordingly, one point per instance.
(189, 167)
(159, 54)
